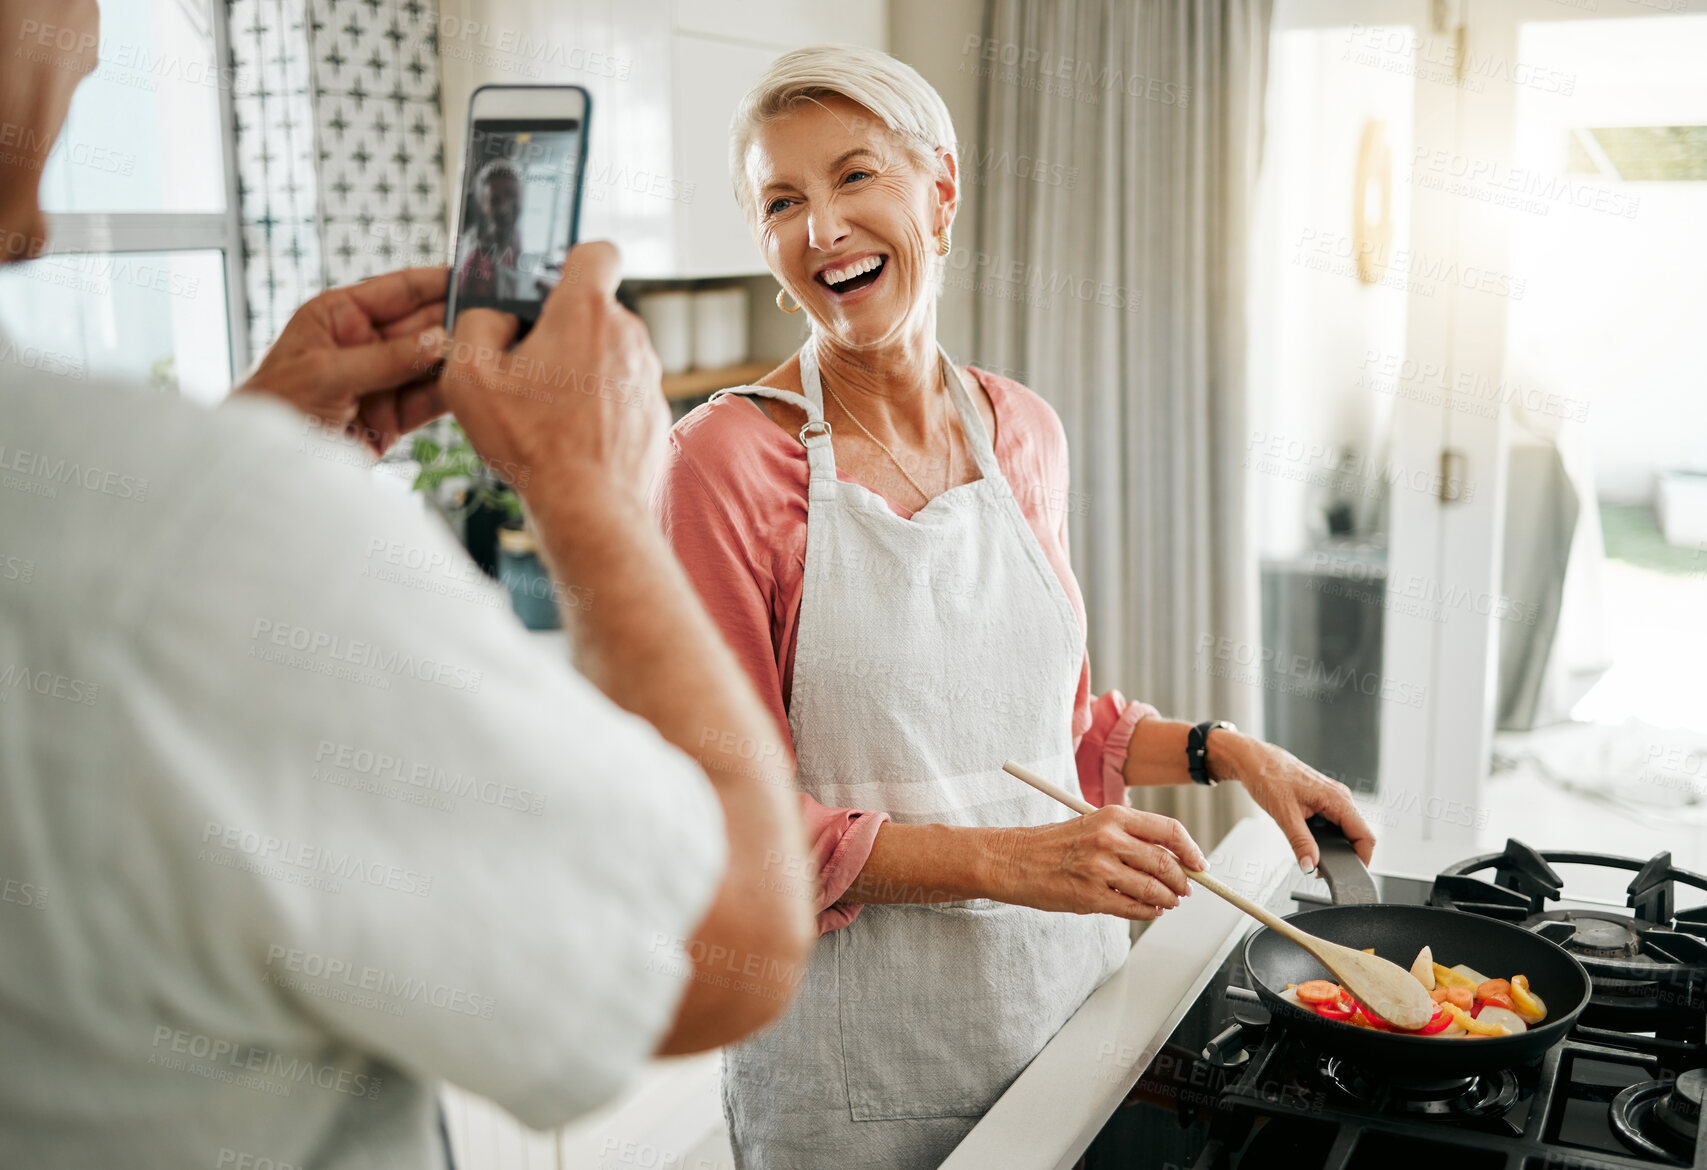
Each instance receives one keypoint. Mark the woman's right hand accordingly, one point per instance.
(1116, 860)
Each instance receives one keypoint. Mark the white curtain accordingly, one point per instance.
(1112, 281)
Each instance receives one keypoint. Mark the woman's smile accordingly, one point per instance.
(850, 280)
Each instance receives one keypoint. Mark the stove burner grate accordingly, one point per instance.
(1660, 1119)
(1524, 881)
(1591, 935)
(1472, 1098)
(1648, 967)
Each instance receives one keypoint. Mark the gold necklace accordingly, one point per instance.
(948, 473)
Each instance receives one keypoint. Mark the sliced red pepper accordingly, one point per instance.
(1337, 1009)
(1372, 1020)
(1439, 1022)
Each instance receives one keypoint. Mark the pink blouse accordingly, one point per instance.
(732, 501)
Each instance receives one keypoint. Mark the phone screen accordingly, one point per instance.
(520, 202)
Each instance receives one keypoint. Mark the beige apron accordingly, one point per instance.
(930, 650)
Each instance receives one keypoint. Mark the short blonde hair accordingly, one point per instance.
(892, 90)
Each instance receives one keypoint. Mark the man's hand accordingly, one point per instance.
(577, 402)
(1290, 791)
(360, 359)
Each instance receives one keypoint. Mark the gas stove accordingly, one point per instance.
(1647, 966)
(1233, 1088)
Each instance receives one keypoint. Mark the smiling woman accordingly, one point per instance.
(831, 137)
(870, 526)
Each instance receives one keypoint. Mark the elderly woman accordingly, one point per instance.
(866, 526)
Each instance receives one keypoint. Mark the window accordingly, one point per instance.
(142, 279)
(1638, 154)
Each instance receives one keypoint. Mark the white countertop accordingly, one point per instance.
(671, 1116)
(1050, 1114)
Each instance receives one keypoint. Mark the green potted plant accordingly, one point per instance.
(491, 519)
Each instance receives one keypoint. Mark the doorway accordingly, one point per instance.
(1480, 414)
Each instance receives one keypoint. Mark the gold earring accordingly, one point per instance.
(944, 242)
(780, 293)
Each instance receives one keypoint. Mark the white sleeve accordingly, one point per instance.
(401, 815)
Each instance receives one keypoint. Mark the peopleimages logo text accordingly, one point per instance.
(173, 1048)
(356, 652)
(1074, 75)
(345, 865)
(388, 986)
(50, 472)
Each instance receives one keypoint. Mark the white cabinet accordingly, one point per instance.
(787, 23)
(484, 1137)
(711, 78)
(665, 77)
(670, 1116)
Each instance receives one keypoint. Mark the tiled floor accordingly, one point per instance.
(1559, 818)
(1629, 775)
(1656, 612)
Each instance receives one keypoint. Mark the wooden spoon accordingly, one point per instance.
(1388, 991)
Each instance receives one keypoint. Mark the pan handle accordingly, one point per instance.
(1349, 883)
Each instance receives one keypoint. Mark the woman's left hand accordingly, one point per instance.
(1290, 791)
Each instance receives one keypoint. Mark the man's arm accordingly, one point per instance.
(576, 416)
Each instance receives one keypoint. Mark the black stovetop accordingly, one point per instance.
(1232, 1089)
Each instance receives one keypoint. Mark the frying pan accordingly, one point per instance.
(1398, 932)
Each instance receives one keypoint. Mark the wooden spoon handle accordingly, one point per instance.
(1055, 792)
(1261, 913)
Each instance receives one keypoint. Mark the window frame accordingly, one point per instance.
(104, 232)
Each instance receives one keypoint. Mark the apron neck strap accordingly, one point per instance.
(971, 422)
(815, 434)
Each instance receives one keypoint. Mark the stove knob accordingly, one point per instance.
(1226, 1049)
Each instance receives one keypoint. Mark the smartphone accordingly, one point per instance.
(521, 198)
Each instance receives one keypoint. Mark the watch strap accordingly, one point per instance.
(1197, 750)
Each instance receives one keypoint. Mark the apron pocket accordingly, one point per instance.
(942, 1007)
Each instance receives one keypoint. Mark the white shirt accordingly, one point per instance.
(294, 816)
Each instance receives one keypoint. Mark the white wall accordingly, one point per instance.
(665, 76)
(931, 36)
(1610, 320)
(1319, 336)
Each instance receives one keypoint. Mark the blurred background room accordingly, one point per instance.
(1375, 327)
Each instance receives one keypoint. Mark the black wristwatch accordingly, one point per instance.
(1197, 750)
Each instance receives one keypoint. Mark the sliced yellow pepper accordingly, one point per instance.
(1525, 1002)
(1471, 1024)
(1447, 977)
